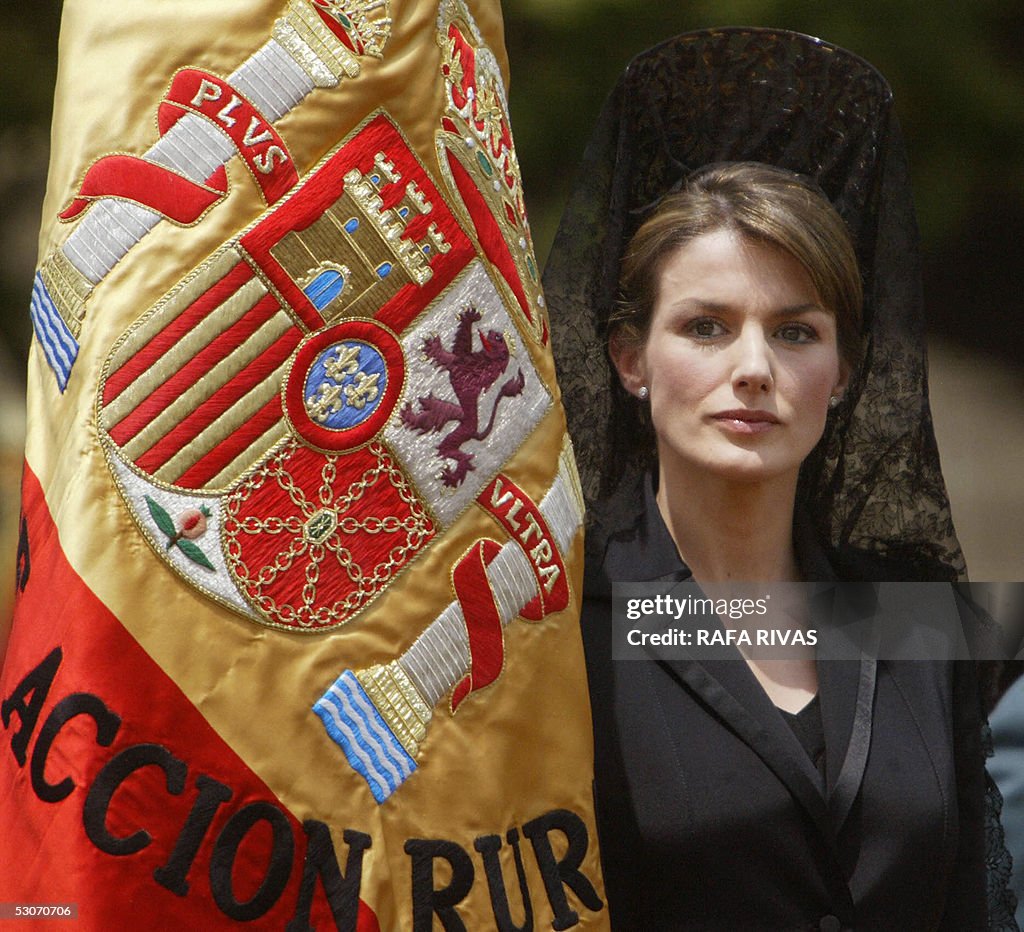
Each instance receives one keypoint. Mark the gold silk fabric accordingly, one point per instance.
(301, 513)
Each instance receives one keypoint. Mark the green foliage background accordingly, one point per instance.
(956, 67)
(957, 72)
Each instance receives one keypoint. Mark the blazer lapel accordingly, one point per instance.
(647, 553)
(729, 688)
(847, 669)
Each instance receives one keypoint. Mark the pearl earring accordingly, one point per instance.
(643, 394)
(833, 401)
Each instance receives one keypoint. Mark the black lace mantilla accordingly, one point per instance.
(1002, 902)
(873, 484)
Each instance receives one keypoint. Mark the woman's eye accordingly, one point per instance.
(796, 333)
(705, 327)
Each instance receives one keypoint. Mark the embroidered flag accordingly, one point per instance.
(295, 638)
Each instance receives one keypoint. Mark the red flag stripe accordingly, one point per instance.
(214, 461)
(219, 402)
(47, 853)
(148, 355)
(196, 368)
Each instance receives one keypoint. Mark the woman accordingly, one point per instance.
(739, 327)
(766, 794)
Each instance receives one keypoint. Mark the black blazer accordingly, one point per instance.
(712, 816)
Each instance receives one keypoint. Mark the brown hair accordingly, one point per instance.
(766, 204)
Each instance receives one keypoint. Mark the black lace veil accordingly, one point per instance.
(873, 486)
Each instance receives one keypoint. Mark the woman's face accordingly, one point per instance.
(740, 360)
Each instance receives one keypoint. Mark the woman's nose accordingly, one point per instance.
(752, 369)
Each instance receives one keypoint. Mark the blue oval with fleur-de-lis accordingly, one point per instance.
(345, 384)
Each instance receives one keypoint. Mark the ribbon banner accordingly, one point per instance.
(295, 639)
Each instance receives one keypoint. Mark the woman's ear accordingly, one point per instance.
(627, 354)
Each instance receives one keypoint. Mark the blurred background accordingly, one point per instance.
(957, 71)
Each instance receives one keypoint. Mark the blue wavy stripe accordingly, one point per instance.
(342, 736)
(370, 747)
(58, 343)
(398, 763)
(365, 754)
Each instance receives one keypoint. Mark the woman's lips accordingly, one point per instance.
(742, 421)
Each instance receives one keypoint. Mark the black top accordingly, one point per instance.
(809, 731)
(711, 814)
